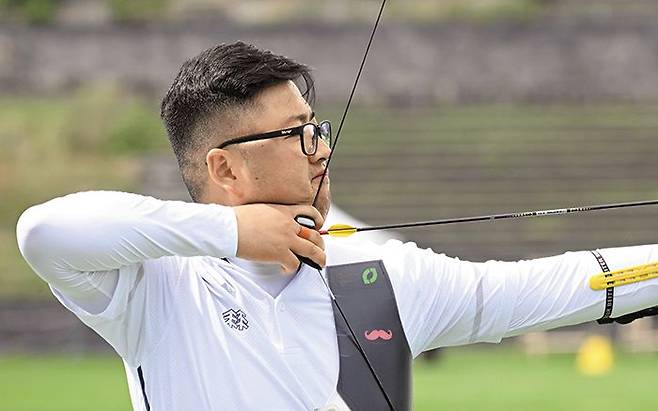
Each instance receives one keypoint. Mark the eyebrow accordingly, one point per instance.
(302, 118)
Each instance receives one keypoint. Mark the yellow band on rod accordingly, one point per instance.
(341, 230)
(624, 276)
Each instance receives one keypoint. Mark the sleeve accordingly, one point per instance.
(554, 292)
(99, 250)
(137, 314)
(444, 301)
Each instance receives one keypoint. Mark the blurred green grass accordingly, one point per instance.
(504, 379)
(495, 378)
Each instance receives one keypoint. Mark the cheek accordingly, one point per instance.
(261, 162)
(272, 165)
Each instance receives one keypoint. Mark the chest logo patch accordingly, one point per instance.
(236, 319)
(378, 334)
(369, 275)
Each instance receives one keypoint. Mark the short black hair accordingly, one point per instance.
(213, 84)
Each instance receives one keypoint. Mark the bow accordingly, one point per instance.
(324, 174)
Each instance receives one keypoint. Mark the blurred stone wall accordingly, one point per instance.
(543, 61)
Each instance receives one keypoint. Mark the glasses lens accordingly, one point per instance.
(310, 139)
(325, 132)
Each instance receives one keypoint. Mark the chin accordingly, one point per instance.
(323, 204)
(324, 211)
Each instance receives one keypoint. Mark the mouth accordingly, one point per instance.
(319, 176)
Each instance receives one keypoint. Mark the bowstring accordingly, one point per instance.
(349, 101)
(317, 193)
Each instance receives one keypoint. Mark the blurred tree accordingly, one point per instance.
(30, 11)
(128, 11)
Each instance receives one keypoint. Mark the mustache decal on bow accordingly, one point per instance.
(378, 334)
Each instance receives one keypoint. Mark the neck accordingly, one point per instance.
(257, 268)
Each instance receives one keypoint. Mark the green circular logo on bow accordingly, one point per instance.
(369, 275)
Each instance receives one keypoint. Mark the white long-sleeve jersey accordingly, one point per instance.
(199, 329)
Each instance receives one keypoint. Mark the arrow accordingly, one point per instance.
(344, 230)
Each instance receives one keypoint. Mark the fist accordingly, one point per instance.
(269, 233)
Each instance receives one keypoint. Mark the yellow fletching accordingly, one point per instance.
(625, 276)
(341, 230)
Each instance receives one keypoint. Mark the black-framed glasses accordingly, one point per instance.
(308, 133)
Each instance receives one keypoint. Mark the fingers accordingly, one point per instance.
(312, 236)
(301, 210)
(269, 233)
(309, 242)
(289, 262)
(311, 212)
(308, 249)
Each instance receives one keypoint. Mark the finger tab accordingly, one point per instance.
(305, 233)
(305, 221)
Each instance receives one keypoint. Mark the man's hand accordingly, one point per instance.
(269, 233)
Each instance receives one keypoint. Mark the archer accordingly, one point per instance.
(207, 302)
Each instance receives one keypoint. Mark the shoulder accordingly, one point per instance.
(341, 251)
(169, 271)
(395, 254)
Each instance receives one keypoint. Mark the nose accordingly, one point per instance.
(322, 153)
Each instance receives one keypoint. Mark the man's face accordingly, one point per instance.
(276, 170)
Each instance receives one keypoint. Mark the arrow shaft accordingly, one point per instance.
(506, 216)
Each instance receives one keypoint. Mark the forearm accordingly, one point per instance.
(100, 231)
(554, 292)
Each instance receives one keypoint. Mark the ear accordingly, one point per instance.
(223, 169)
